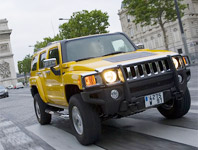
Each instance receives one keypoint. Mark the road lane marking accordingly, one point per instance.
(20, 94)
(193, 111)
(11, 130)
(5, 124)
(58, 138)
(194, 103)
(17, 138)
(10, 134)
(193, 89)
(35, 148)
(1, 118)
(172, 133)
(1, 147)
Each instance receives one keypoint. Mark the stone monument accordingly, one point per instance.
(7, 68)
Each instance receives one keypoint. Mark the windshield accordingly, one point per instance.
(97, 46)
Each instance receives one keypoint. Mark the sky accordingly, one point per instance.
(33, 20)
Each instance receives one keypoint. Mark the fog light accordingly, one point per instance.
(114, 94)
(180, 78)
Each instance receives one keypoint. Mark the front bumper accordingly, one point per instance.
(132, 92)
(5, 94)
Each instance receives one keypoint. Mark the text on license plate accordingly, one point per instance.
(154, 99)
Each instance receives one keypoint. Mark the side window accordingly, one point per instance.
(34, 63)
(42, 58)
(54, 54)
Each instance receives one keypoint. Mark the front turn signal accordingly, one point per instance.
(186, 60)
(90, 80)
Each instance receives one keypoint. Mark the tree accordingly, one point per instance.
(45, 41)
(154, 12)
(24, 66)
(85, 23)
(81, 23)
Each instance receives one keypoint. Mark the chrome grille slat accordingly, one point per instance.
(129, 72)
(158, 67)
(151, 68)
(136, 71)
(142, 70)
(164, 66)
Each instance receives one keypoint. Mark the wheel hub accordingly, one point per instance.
(38, 112)
(77, 120)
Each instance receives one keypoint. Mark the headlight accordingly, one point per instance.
(176, 63)
(110, 76)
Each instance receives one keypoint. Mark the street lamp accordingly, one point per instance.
(181, 29)
(31, 46)
(63, 19)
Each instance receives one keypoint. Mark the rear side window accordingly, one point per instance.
(42, 58)
(54, 54)
(34, 63)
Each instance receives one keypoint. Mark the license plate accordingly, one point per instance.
(154, 99)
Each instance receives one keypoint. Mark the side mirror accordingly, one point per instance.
(48, 63)
(51, 63)
(140, 46)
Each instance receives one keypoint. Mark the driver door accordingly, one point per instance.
(54, 87)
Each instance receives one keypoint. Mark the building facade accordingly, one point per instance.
(7, 68)
(152, 36)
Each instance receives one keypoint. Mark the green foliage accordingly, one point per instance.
(45, 41)
(85, 23)
(24, 66)
(80, 24)
(153, 12)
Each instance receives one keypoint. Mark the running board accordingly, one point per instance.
(62, 115)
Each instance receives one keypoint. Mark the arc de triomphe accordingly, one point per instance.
(7, 68)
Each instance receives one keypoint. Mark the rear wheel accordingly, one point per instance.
(40, 107)
(174, 109)
(85, 120)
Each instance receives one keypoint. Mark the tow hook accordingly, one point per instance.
(134, 106)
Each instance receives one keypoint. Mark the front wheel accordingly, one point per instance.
(174, 109)
(85, 120)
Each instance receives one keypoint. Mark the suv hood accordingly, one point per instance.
(101, 63)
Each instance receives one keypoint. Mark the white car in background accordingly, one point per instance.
(10, 87)
(19, 85)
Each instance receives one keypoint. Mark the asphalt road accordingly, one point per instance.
(19, 129)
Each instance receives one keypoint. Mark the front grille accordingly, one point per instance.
(145, 69)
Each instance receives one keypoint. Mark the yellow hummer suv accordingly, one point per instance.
(105, 76)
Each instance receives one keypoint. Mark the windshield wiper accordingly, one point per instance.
(84, 58)
(114, 53)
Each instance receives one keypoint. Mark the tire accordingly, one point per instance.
(84, 120)
(176, 108)
(39, 107)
